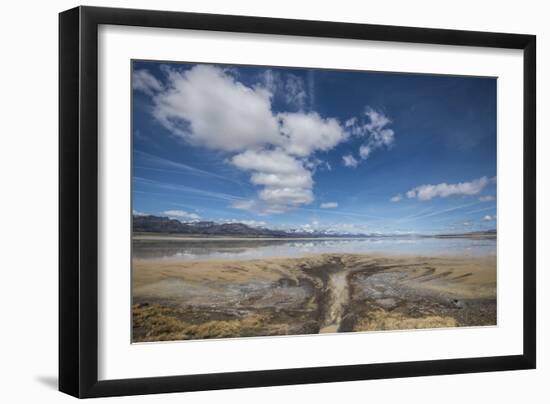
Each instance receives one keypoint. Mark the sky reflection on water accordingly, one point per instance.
(205, 249)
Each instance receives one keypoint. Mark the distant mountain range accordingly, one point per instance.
(165, 225)
(158, 224)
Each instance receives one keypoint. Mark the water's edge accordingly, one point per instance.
(246, 249)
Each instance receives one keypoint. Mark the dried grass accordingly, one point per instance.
(161, 324)
(380, 320)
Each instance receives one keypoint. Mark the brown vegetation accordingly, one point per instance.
(322, 293)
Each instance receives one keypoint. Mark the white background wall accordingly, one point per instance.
(28, 202)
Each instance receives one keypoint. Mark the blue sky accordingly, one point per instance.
(347, 151)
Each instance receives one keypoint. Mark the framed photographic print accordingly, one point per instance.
(250, 201)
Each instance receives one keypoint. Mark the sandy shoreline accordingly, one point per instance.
(175, 300)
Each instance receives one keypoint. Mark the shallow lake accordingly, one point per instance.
(246, 249)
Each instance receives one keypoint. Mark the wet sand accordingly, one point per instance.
(325, 293)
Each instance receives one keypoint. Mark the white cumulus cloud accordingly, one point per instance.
(350, 161)
(374, 127)
(443, 190)
(285, 180)
(306, 133)
(251, 223)
(397, 198)
(181, 214)
(365, 151)
(209, 107)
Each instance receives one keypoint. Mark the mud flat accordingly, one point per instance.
(325, 293)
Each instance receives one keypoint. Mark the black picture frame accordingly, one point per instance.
(78, 201)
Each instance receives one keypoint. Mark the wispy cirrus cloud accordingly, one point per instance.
(186, 189)
(286, 87)
(480, 210)
(295, 92)
(329, 205)
(153, 162)
(143, 80)
(430, 213)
